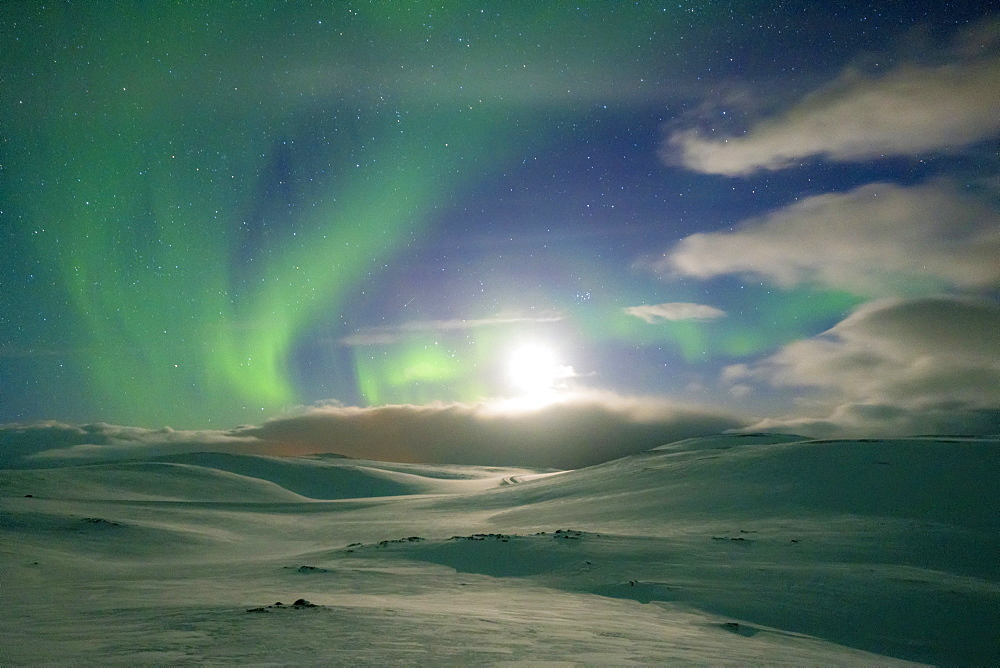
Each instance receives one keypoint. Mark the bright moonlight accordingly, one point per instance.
(534, 368)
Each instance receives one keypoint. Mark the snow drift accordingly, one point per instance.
(736, 548)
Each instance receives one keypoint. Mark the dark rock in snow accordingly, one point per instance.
(410, 539)
(310, 569)
(299, 604)
(98, 520)
(744, 630)
(570, 534)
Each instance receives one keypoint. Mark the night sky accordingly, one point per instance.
(782, 215)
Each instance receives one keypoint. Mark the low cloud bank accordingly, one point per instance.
(570, 431)
(51, 443)
(579, 430)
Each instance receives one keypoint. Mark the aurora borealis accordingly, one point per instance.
(217, 213)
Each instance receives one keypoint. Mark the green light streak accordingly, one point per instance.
(463, 365)
(154, 295)
(761, 322)
(411, 373)
(139, 141)
(778, 317)
(144, 252)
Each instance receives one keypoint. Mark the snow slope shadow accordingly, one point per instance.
(331, 477)
(806, 536)
(493, 554)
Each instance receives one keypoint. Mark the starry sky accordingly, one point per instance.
(774, 216)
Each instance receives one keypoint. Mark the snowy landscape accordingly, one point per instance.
(499, 333)
(739, 548)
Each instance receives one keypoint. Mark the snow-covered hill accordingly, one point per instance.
(737, 548)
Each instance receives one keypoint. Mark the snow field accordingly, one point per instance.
(724, 550)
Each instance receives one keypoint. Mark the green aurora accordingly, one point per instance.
(198, 188)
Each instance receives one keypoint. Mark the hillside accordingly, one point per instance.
(738, 548)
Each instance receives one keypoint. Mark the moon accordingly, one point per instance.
(534, 369)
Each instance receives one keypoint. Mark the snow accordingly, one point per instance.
(770, 549)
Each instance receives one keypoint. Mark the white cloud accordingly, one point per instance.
(654, 313)
(880, 239)
(394, 333)
(908, 110)
(894, 367)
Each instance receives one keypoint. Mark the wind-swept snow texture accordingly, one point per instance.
(734, 549)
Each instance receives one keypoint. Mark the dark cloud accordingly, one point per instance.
(578, 430)
(893, 367)
(572, 430)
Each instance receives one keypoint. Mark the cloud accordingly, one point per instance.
(860, 420)
(577, 429)
(394, 333)
(909, 110)
(655, 313)
(573, 429)
(880, 239)
(53, 442)
(894, 367)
